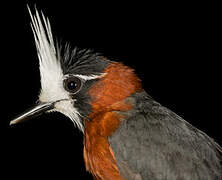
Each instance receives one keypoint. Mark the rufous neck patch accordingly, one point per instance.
(119, 82)
(108, 96)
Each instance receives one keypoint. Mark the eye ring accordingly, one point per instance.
(72, 84)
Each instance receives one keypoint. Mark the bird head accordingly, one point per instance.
(76, 82)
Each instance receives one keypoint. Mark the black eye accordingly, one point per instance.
(72, 84)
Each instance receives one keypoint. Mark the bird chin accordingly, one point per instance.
(67, 108)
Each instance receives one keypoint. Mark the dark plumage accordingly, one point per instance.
(155, 143)
(82, 61)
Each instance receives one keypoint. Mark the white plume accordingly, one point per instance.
(49, 65)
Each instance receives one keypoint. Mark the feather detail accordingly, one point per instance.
(50, 69)
(49, 63)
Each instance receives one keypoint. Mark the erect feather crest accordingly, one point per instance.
(49, 64)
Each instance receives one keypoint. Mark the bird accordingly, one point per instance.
(127, 134)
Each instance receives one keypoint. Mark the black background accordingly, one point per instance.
(175, 49)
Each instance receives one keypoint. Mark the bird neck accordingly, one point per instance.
(98, 155)
(109, 98)
(119, 83)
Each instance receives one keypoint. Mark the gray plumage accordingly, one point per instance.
(154, 143)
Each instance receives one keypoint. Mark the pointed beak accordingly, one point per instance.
(33, 112)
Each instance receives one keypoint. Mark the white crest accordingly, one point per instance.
(51, 73)
(50, 69)
(49, 65)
